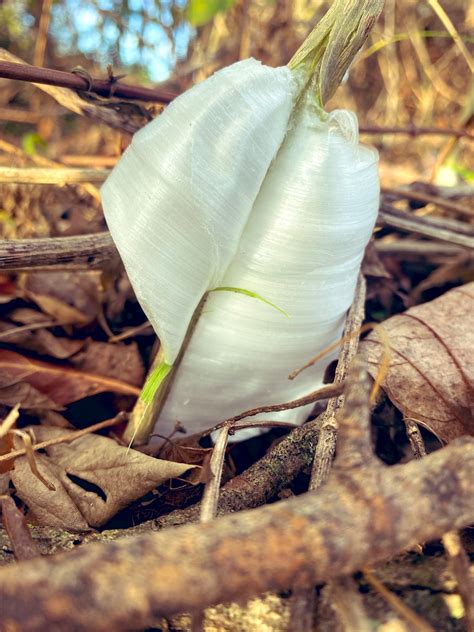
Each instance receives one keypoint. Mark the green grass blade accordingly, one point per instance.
(154, 381)
(239, 290)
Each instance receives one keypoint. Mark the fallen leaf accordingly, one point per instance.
(40, 341)
(59, 383)
(120, 361)
(49, 508)
(94, 479)
(8, 290)
(69, 297)
(431, 373)
(21, 392)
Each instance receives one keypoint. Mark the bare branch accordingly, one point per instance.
(84, 251)
(418, 131)
(452, 231)
(356, 519)
(61, 176)
(74, 81)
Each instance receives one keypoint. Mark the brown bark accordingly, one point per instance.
(102, 87)
(84, 251)
(360, 516)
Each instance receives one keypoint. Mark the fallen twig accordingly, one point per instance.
(58, 175)
(326, 447)
(416, 622)
(66, 438)
(418, 131)
(214, 473)
(461, 569)
(347, 602)
(363, 514)
(457, 556)
(330, 390)
(409, 194)
(303, 599)
(428, 226)
(416, 248)
(84, 251)
(95, 251)
(46, 162)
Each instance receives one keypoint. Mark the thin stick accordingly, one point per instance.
(66, 438)
(30, 456)
(42, 34)
(210, 496)
(330, 390)
(326, 446)
(9, 421)
(414, 437)
(31, 327)
(132, 331)
(60, 176)
(430, 199)
(416, 248)
(347, 601)
(46, 162)
(82, 252)
(417, 131)
(461, 568)
(81, 160)
(104, 88)
(449, 26)
(303, 598)
(457, 556)
(397, 604)
(429, 227)
(17, 115)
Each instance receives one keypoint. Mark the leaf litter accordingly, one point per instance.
(94, 478)
(431, 374)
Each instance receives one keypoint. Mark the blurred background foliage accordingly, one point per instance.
(415, 71)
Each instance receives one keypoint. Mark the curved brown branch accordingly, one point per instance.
(356, 519)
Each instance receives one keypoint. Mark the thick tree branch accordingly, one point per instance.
(356, 519)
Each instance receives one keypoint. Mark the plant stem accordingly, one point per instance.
(143, 416)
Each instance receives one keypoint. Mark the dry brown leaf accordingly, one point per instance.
(25, 394)
(431, 374)
(40, 341)
(120, 361)
(94, 479)
(69, 297)
(50, 508)
(8, 290)
(59, 383)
